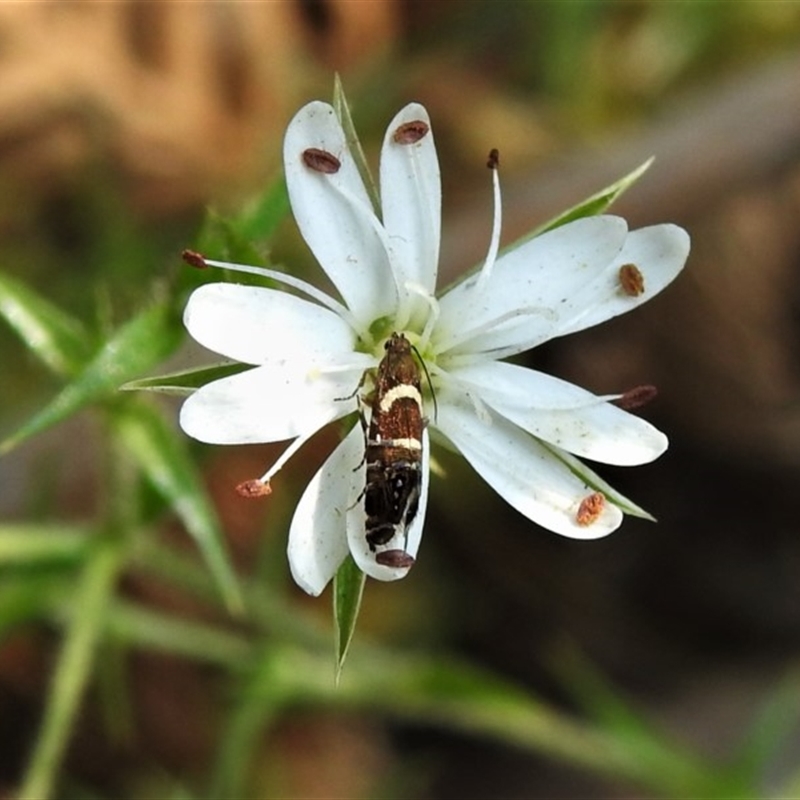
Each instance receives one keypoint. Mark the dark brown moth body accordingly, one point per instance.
(394, 450)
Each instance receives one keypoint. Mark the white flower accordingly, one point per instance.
(520, 429)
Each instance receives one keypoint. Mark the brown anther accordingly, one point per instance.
(194, 259)
(394, 558)
(631, 280)
(493, 162)
(636, 397)
(590, 509)
(254, 488)
(411, 132)
(321, 161)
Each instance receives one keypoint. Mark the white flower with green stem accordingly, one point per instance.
(523, 431)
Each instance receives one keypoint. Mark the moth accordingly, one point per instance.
(394, 451)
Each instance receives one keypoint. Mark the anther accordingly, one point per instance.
(636, 397)
(254, 488)
(411, 132)
(590, 509)
(493, 162)
(194, 259)
(321, 161)
(631, 280)
(398, 559)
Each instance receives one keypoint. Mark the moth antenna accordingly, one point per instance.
(430, 382)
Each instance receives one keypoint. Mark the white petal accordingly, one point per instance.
(520, 469)
(659, 252)
(411, 197)
(564, 414)
(334, 214)
(408, 540)
(317, 540)
(269, 404)
(530, 285)
(253, 324)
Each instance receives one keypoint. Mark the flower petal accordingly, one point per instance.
(254, 325)
(564, 414)
(317, 541)
(270, 403)
(521, 304)
(659, 252)
(408, 541)
(334, 214)
(520, 469)
(411, 197)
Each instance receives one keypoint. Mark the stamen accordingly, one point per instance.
(283, 458)
(457, 339)
(432, 317)
(295, 283)
(493, 164)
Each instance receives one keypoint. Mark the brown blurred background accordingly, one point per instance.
(130, 117)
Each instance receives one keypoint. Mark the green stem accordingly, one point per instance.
(71, 674)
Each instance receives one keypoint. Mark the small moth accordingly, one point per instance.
(394, 451)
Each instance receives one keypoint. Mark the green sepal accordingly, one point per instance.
(597, 203)
(58, 340)
(591, 478)
(163, 457)
(342, 109)
(348, 591)
(184, 382)
(133, 349)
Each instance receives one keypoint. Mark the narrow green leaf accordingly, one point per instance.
(28, 595)
(598, 203)
(342, 108)
(764, 742)
(138, 626)
(72, 672)
(163, 457)
(31, 543)
(56, 338)
(139, 344)
(184, 382)
(591, 478)
(348, 590)
(243, 237)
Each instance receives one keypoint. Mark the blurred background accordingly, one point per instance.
(121, 123)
